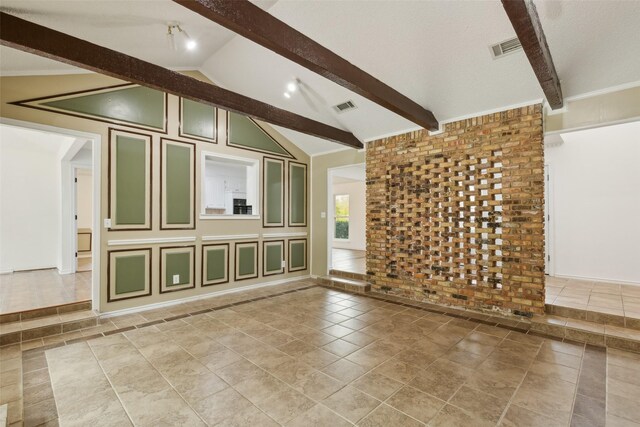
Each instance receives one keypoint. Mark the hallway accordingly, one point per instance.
(349, 260)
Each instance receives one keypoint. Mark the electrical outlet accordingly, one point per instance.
(107, 223)
(323, 214)
(176, 279)
(283, 264)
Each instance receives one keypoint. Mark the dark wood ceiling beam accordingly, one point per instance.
(27, 36)
(248, 20)
(525, 20)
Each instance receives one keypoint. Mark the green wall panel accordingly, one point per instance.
(131, 181)
(298, 188)
(247, 261)
(243, 131)
(216, 264)
(297, 255)
(136, 105)
(198, 119)
(274, 190)
(274, 258)
(177, 263)
(178, 183)
(130, 274)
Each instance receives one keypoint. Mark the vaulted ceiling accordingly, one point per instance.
(435, 52)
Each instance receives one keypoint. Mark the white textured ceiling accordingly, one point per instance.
(435, 52)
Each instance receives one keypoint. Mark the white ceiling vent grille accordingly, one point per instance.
(345, 106)
(505, 48)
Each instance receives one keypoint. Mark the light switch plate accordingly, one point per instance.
(323, 214)
(283, 264)
(176, 279)
(107, 223)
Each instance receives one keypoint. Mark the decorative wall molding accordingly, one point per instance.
(278, 235)
(229, 237)
(131, 242)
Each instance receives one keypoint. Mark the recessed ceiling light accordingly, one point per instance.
(191, 44)
(287, 95)
(291, 87)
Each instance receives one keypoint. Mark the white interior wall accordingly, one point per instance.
(595, 180)
(357, 215)
(30, 178)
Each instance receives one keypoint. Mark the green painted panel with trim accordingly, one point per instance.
(130, 274)
(297, 255)
(216, 264)
(137, 105)
(297, 183)
(177, 263)
(274, 189)
(243, 131)
(247, 261)
(198, 119)
(178, 182)
(131, 181)
(274, 258)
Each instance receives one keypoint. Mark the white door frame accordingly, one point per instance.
(549, 223)
(74, 203)
(96, 163)
(331, 209)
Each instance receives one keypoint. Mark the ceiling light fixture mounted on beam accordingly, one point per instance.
(36, 39)
(248, 20)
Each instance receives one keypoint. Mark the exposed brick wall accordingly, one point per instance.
(458, 218)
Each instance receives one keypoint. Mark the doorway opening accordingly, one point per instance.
(347, 219)
(48, 217)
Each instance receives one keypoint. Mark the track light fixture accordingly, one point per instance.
(174, 28)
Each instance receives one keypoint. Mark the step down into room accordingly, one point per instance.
(40, 327)
(348, 275)
(352, 285)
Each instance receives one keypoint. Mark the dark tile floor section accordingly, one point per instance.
(589, 408)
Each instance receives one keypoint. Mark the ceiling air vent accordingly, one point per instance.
(345, 106)
(506, 47)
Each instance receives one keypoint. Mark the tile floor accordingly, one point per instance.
(29, 290)
(349, 260)
(345, 359)
(610, 298)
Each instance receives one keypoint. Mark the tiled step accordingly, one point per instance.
(352, 285)
(602, 315)
(45, 312)
(596, 333)
(34, 328)
(348, 275)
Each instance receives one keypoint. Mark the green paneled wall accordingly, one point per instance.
(130, 273)
(246, 261)
(131, 181)
(297, 184)
(137, 105)
(274, 190)
(297, 255)
(216, 264)
(177, 263)
(198, 119)
(273, 258)
(244, 132)
(178, 182)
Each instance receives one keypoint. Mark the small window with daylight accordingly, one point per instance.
(341, 206)
(229, 187)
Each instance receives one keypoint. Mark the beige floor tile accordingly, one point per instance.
(623, 407)
(450, 416)
(221, 407)
(544, 395)
(318, 358)
(479, 403)
(377, 385)
(385, 415)
(285, 405)
(318, 416)
(399, 370)
(340, 347)
(416, 403)
(351, 403)
(520, 417)
(146, 407)
(344, 370)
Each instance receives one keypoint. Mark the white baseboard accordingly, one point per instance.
(199, 297)
(6, 271)
(65, 271)
(596, 279)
